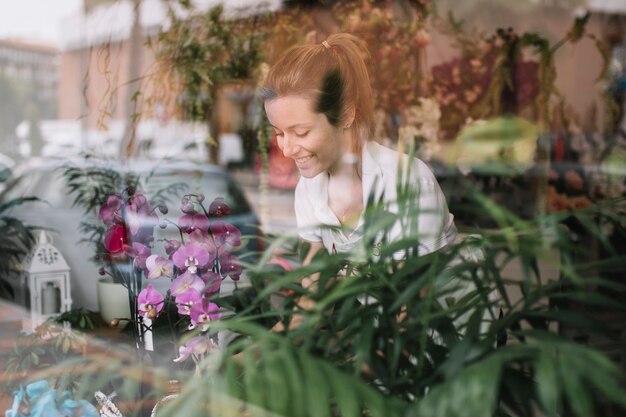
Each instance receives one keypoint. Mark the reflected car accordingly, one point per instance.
(58, 214)
(7, 165)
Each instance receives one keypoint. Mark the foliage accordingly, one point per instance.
(492, 77)
(455, 333)
(396, 38)
(79, 319)
(461, 332)
(16, 244)
(90, 183)
(200, 52)
(50, 345)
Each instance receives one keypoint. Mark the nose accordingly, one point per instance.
(288, 145)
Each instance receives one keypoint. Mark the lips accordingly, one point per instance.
(303, 160)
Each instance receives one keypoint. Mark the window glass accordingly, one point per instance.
(23, 186)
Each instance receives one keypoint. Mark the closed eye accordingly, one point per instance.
(301, 135)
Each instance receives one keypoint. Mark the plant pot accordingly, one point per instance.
(113, 301)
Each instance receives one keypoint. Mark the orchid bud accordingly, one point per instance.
(163, 209)
(101, 271)
(162, 224)
(130, 190)
(187, 208)
(200, 198)
(114, 323)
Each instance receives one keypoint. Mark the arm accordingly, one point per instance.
(303, 303)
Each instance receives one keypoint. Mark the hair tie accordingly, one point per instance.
(326, 44)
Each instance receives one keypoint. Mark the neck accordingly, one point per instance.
(347, 168)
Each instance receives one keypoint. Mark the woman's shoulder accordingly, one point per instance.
(388, 160)
(308, 187)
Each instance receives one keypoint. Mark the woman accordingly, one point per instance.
(319, 101)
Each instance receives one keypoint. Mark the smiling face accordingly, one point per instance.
(306, 136)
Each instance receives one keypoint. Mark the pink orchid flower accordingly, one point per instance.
(202, 239)
(203, 313)
(184, 282)
(229, 266)
(140, 253)
(187, 300)
(150, 302)
(192, 257)
(227, 237)
(141, 217)
(212, 282)
(219, 208)
(110, 211)
(196, 347)
(193, 221)
(158, 266)
(171, 246)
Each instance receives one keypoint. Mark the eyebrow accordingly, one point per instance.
(304, 125)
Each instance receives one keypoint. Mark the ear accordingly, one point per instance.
(350, 114)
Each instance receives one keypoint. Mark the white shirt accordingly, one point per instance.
(433, 222)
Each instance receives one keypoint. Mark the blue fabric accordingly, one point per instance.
(43, 403)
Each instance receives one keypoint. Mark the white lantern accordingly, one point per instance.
(45, 283)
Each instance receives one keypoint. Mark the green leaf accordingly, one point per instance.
(547, 383)
(473, 392)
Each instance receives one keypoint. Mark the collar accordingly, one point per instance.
(372, 177)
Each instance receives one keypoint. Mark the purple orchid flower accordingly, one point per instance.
(229, 266)
(193, 221)
(196, 348)
(202, 239)
(212, 281)
(203, 313)
(187, 300)
(157, 266)
(110, 211)
(141, 253)
(227, 237)
(184, 282)
(150, 302)
(191, 257)
(141, 217)
(219, 208)
(171, 246)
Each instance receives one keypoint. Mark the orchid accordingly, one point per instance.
(186, 300)
(140, 253)
(158, 266)
(193, 221)
(212, 282)
(219, 208)
(227, 237)
(230, 266)
(110, 211)
(196, 348)
(116, 241)
(196, 264)
(150, 302)
(184, 282)
(192, 257)
(203, 313)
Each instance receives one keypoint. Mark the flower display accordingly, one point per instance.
(422, 127)
(196, 263)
